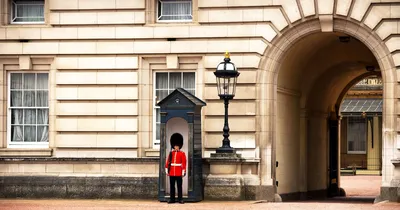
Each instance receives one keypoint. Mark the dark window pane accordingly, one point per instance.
(175, 80)
(17, 133)
(30, 116)
(29, 133)
(42, 98)
(29, 99)
(161, 94)
(161, 80)
(16, 81)
(43, 116)
(42, 81)
(16, 116)
(43, 133)
(29, 81)
(16, 98)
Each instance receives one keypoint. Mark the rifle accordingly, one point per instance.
(169, 161)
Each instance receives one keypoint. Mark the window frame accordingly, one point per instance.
(173, 21)
(12, 11)
(155, 107)
(11, 144)
(366, 139)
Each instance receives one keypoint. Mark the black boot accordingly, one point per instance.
(181, 202)
(171, 201)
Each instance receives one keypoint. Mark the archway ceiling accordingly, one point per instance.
(319, 67)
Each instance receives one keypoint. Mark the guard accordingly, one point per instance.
(175, 168)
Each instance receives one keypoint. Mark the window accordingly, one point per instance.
(27, 11)
(356, 135)
(28, 109)
(166, 83)
(174, 10)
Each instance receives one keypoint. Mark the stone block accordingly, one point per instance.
(25, 62)
(142, 168)
(23, 33)
(76, 140)
(32, 168)
(393, 44)
(131, 62)
(116, 17)
(66, 124)
(325, 7)
(96, 33)
(218, 169)
(134, 32)
(98, 62)
(208, 31)
(126, 93)
(252, 15)
(376, 14)
(171, 32)
(59, 168)
(96, 93)
(224, 187)
(77, 47)
(275, 16)
(114, 47)
(308, 7)
(63, 5)
(362, 7)
(129, 124)
(79, 77)
(78, 18)
(96, 124)
(117, 78)
(172, 62)
(326, 22)
(81, 109)
(40, 48)
(117, 140)
(130, 4)
(59, 33)
(96, 4)
(11, 48)
(246, 124)
(66, 62)
(343, 7)
(54, 18)
(87, 168)
(66, 93)
(151, 47)
(109, 108)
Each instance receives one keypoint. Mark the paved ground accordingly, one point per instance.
(361, 185)
(150, 205)
(358, 187)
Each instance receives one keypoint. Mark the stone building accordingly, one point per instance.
(81, 78)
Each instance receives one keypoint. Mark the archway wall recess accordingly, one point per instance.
(377, 30)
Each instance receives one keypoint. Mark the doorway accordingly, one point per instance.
(312, 76)
(179, 126)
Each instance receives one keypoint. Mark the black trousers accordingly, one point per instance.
(178, 180)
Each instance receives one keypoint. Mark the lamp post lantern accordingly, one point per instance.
(226, 75)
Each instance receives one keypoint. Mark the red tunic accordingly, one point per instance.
(178, 163)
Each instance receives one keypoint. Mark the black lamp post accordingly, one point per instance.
(227, 75)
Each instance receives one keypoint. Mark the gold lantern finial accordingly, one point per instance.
(227, 55)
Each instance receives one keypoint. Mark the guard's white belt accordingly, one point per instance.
(176, 164)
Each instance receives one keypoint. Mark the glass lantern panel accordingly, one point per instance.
(230, 67)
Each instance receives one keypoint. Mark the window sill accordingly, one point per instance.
(23, 152)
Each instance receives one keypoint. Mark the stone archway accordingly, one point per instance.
(268, 89)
